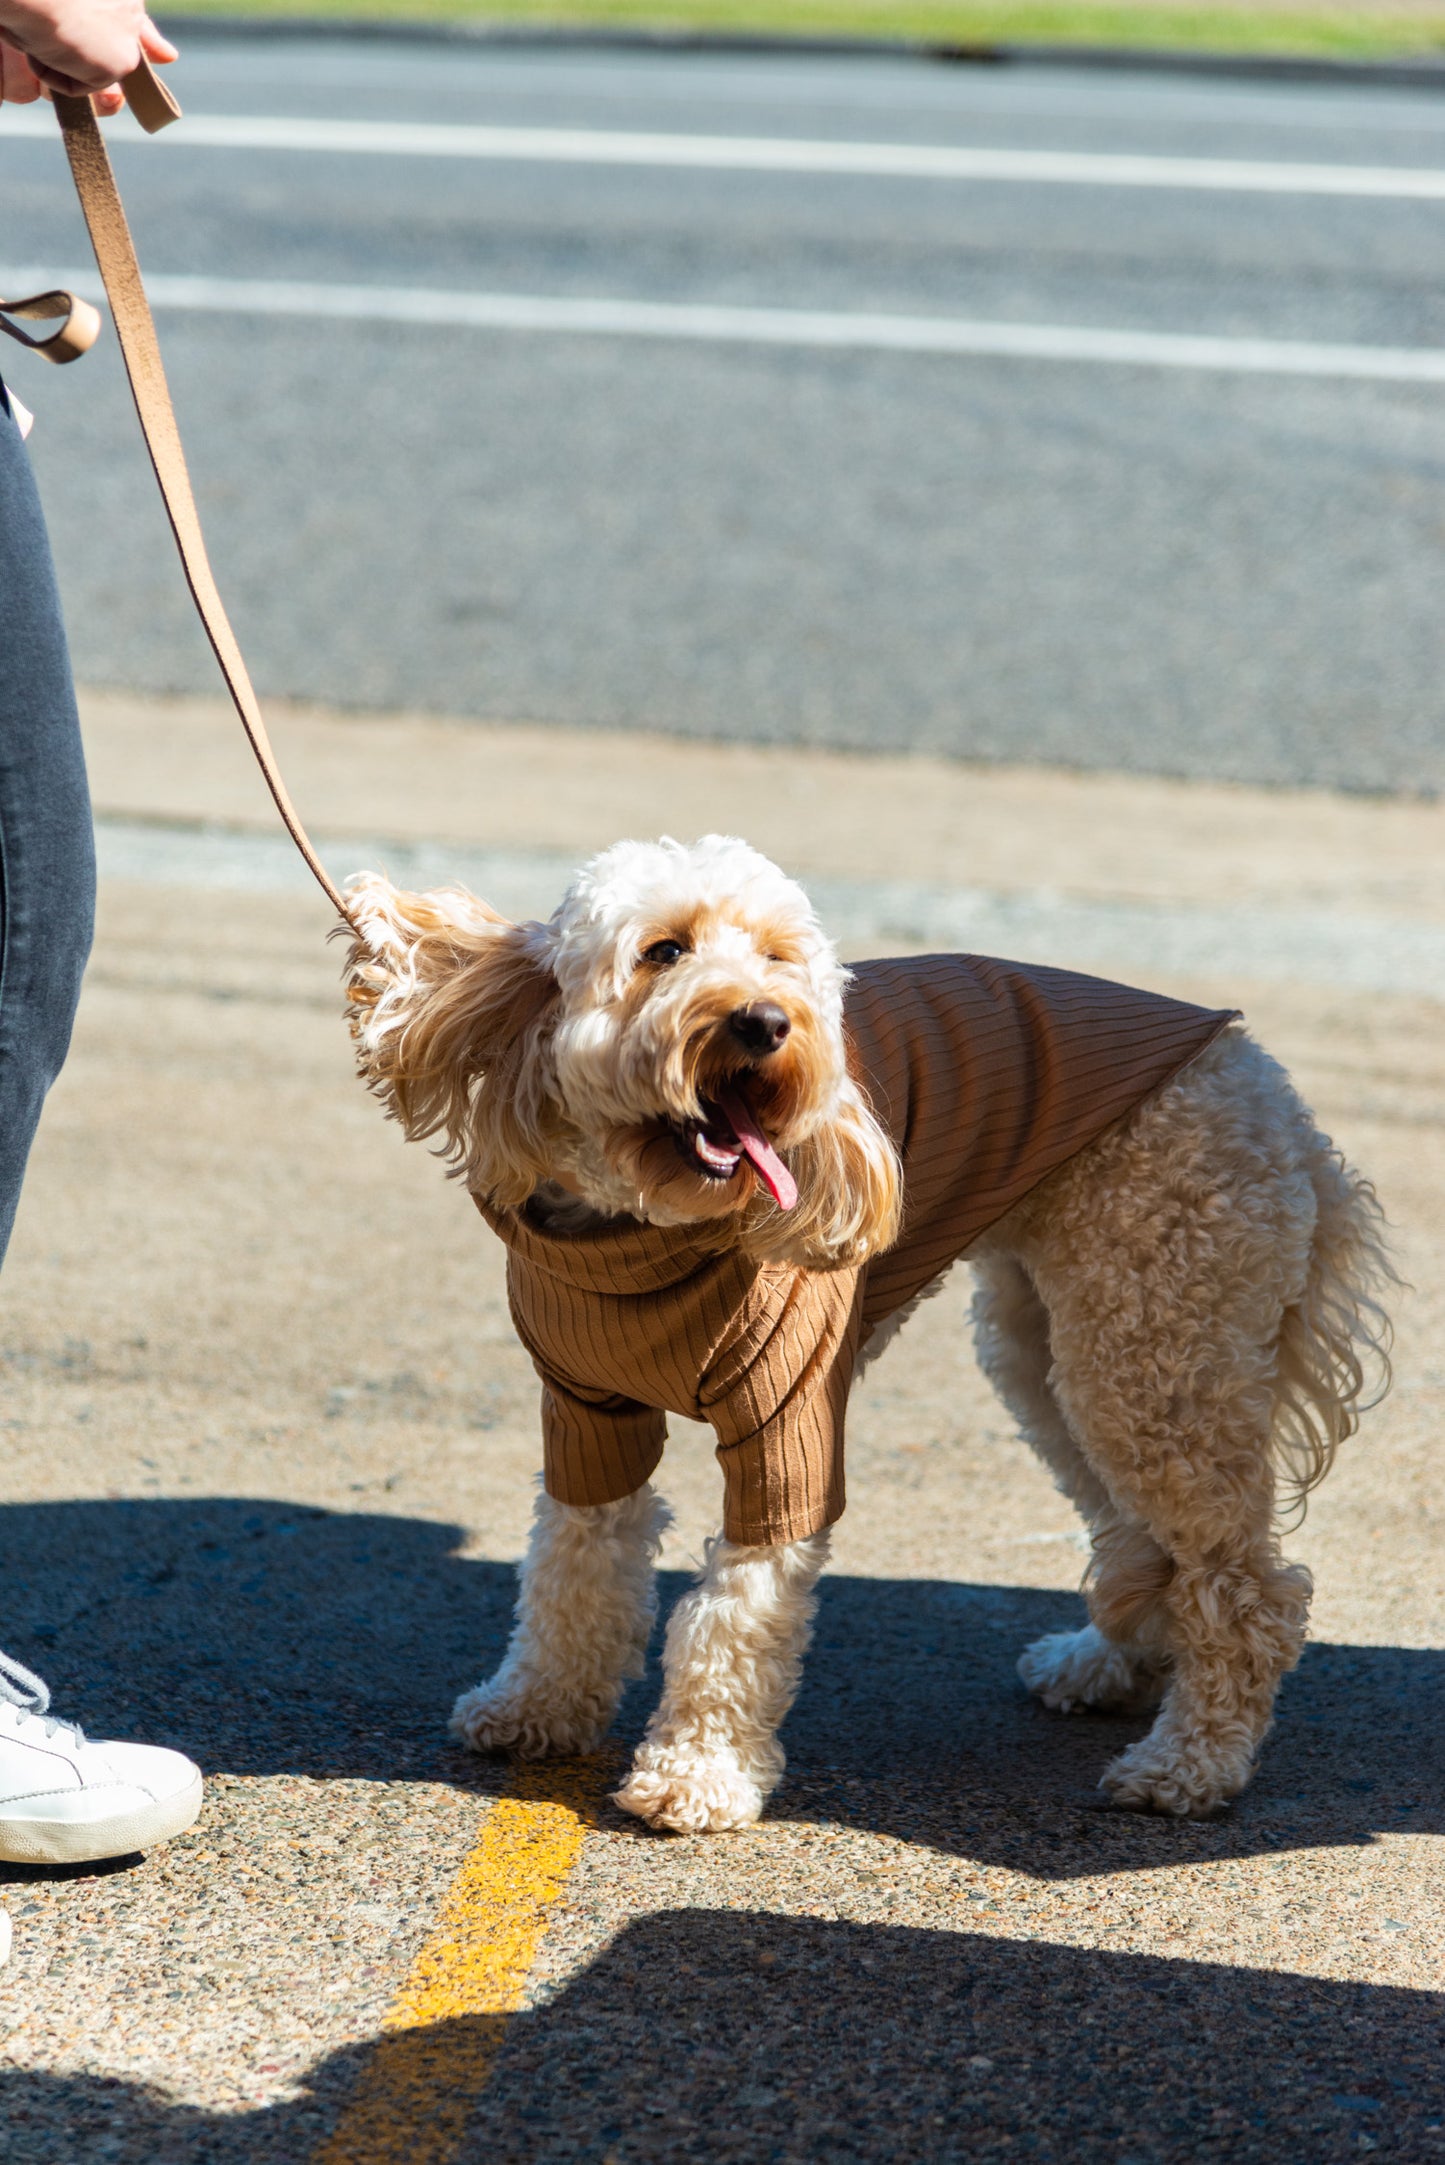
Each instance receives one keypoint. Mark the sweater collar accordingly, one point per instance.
(623, 1256)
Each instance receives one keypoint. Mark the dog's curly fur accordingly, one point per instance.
(546, 1053)
(1183, 1319)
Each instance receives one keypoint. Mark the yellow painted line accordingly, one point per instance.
(442, 2033)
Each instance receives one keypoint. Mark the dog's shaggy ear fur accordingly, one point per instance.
(850, 1193)
(451, 1007)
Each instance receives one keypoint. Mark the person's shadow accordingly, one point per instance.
(716, 2035)
(269, 1638)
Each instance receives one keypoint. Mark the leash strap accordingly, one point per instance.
(154, 107)
(78, 331)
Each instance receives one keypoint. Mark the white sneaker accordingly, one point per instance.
(64, 1800)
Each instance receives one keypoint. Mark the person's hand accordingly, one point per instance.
(80, 46)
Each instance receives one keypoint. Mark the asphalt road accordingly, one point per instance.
(1187, 570)
(269, 1443)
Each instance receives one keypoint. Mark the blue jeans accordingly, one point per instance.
(47, 846)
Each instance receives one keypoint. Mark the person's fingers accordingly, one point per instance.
(86, 46)
(156, 45)
(71, 86)
(81, 65)
(18, 85)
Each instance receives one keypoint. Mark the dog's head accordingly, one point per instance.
(670, 1045)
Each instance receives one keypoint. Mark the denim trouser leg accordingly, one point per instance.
(47, 849)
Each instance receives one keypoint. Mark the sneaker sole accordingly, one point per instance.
(57, 1841)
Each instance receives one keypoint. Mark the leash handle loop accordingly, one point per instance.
(151, 102)
(78, 331)
(105, 218)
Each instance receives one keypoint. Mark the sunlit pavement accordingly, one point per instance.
(270, 1452)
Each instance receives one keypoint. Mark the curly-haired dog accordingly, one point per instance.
(725, 1168)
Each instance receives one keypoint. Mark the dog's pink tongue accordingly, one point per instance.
(759, 1152)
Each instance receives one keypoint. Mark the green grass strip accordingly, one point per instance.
(1386, 29)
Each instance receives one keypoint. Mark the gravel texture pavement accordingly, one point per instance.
(269, 1452)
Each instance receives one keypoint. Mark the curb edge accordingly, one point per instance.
(1426, 74)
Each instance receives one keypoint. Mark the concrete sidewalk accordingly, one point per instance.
(270, 1451)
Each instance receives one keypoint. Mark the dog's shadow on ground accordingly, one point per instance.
(269, 1638)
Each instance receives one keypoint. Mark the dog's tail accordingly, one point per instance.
(1334, 1353)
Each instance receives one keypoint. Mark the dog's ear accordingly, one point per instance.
(451, 1007)
(850, 1193)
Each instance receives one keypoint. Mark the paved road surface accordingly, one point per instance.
(724, 527)
(269, 1444)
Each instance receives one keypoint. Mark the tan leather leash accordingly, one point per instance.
(154, 108)
(76, 335)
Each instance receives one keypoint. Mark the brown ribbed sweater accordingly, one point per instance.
(988, 1076)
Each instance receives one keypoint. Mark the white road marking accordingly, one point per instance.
(721, 324)
(1249, 944)
(773, 154)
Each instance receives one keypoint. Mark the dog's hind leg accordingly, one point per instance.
(1169, 1257)
(584, 1615)
(1115, 1668)
(1193, 1567)
(732, 1662)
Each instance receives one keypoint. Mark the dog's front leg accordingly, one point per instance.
(731, 1666)
(584, 1615)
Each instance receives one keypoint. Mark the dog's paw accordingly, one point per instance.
(1183, 1777)
(702, 1796)
(533, 1720)
(1079, 1671)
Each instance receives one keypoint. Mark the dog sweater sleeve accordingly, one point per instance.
(777, 1400)
(596, 1450)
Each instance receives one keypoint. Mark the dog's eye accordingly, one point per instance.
(663, 951)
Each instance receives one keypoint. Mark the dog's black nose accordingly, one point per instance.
(760, 1028)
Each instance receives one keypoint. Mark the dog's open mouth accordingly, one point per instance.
(727, 1133)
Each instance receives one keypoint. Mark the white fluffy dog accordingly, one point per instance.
(665, 1102)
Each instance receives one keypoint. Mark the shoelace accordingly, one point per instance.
(31, 1694)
